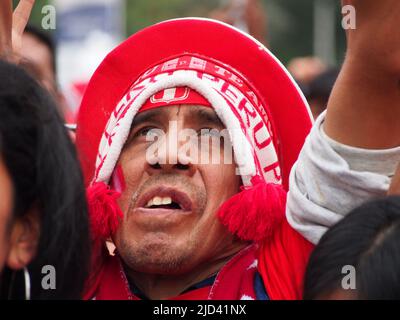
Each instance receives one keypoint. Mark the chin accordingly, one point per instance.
(158, 257)
(171, 265)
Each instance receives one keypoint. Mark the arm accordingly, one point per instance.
(353, 150)
(364, 108)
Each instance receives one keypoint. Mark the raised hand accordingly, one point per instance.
(5, 28)
(376, 38)
(20, 19)
(364, 108)
(12, 26)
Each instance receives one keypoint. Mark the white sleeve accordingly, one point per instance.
(330, 179)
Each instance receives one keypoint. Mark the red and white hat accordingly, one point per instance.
(196, 61)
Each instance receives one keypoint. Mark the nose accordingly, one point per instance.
(166, 156)
(177, 168)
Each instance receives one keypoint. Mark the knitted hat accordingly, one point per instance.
(197, 61)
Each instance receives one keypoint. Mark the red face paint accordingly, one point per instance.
(117, 181)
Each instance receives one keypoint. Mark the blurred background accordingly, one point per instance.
(306, 35)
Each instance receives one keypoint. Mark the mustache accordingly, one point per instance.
(197, 194)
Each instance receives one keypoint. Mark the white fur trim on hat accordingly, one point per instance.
(118, 128)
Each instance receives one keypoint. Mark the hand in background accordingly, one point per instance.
(12, 26)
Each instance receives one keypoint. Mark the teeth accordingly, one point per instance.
(149, 204)
(166, 200)
(157, 201)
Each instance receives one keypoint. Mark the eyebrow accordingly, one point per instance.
(206, 116)
(145, 116)
(201, 115)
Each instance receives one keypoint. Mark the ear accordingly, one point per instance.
(24, 239)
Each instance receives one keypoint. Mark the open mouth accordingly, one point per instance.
(163, 203)
(165, 198)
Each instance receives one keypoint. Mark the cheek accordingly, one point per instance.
(6, 205)
(129, 174)
(221, 182)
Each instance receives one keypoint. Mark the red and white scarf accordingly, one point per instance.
(235, 281)
(235, 102)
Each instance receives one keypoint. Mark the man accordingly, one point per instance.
(169, 242)
(177, 250)
(184, 226)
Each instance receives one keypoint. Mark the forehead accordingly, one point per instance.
(35, 50)
(195, 114)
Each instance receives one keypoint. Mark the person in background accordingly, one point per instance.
(43, 210)
(319, 91)
(38, 56)
(246, 15)
(306, 69)
(35, 51)
(358, 258)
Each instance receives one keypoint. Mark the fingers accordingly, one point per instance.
(5, 27)
(21, 15)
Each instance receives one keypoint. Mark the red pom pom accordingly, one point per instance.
(104, 212)
(254, 213)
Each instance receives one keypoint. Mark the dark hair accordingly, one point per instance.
(367, 239)
(46, 39)
(321, 87)
(43, 166)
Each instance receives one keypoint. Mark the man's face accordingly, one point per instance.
(39, 56)
(170, 224)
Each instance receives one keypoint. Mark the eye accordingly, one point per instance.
(148, 132)
(144, 131)
(211, 132)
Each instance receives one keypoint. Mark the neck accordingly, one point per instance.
(164, 286)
